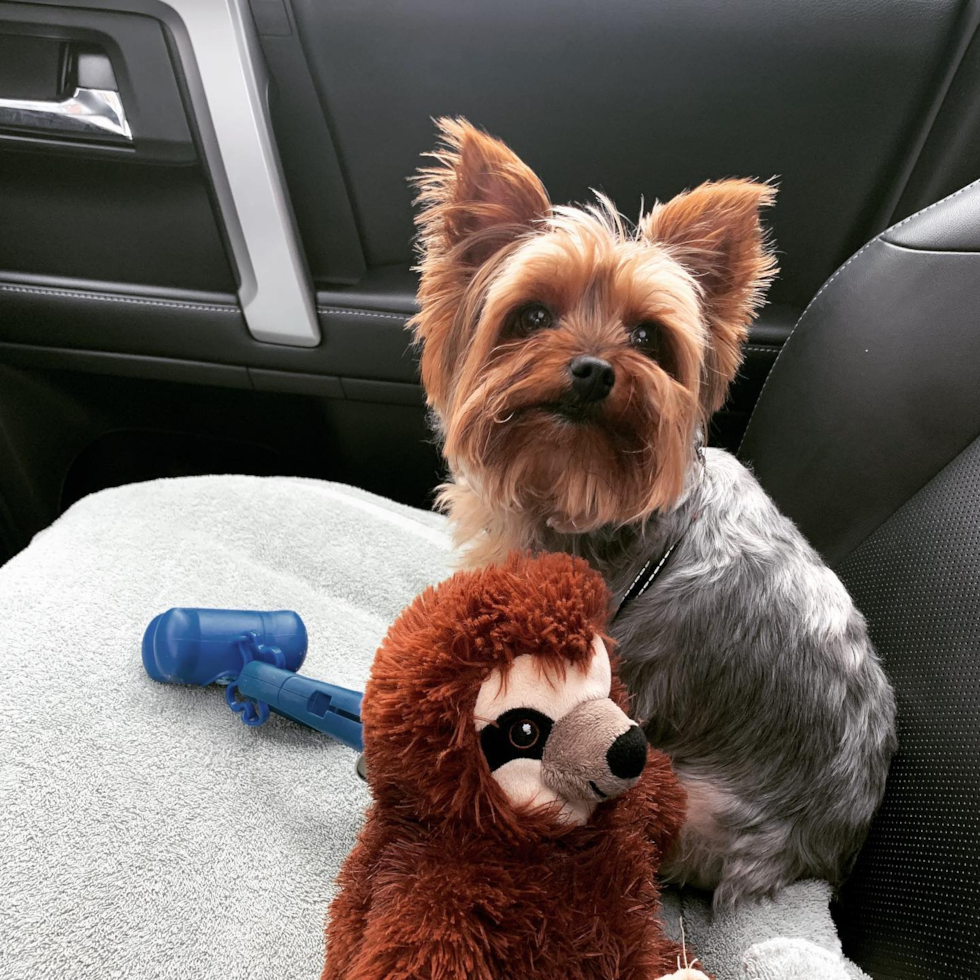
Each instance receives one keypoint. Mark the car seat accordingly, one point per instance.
(867, 434)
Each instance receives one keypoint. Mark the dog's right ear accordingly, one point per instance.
(478, 197)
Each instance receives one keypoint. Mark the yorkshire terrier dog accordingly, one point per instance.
(571, 364)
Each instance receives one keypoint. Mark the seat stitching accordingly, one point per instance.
(104, 298)
(908, 500)
(384, 316)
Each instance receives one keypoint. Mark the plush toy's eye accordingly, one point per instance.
(533, 317)
(524, 734)
(520, 733)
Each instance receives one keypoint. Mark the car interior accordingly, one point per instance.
(206, 266)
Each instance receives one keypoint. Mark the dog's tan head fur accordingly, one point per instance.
(518, 298)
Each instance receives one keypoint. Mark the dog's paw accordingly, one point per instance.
(686, 974)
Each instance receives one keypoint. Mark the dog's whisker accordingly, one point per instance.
(629, 397)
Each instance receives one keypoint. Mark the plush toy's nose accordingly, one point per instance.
(627, 755)
(593, 753)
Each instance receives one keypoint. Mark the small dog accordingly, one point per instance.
(571, 363)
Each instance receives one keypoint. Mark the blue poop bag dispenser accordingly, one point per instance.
(256, 654)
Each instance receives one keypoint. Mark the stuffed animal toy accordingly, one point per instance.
(519, 815)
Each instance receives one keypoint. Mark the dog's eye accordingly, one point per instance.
(520, 733)
(646, 337)
(533, 317)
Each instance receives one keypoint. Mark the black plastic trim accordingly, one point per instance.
(100, 289)
(124, 365)
(213, 375)
(292, 383)
(307, 152)
(383, 392)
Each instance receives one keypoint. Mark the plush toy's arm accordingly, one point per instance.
(347, 918)
(427, 921)
(661, 801)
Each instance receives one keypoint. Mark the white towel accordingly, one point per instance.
(145, 833)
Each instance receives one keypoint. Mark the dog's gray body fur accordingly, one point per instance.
(751, 667)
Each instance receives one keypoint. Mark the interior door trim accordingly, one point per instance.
(224, 72)
(228, 92)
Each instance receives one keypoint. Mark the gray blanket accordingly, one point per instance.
(144, 832)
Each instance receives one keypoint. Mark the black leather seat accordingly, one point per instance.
(867, 434)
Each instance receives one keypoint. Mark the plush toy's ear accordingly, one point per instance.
(715, 232)
(478, 197)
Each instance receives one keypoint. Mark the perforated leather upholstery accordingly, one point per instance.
(868, 435)
(913, 907)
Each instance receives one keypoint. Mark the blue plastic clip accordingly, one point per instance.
(253, 713)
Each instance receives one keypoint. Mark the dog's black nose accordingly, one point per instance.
(627, 756)
(592, 378)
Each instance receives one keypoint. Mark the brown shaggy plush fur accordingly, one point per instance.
(448, 881)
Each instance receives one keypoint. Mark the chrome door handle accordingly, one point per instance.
(88, 112)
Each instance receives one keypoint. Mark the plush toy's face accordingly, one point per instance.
(493, 707)
(553, 738)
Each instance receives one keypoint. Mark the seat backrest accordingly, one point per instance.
(867, 434)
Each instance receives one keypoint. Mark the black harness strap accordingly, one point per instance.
(649, 573)
(646, 577)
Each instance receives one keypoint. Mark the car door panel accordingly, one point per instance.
(129, 276)
(640, 99)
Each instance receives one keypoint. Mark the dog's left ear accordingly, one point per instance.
(715, 232)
